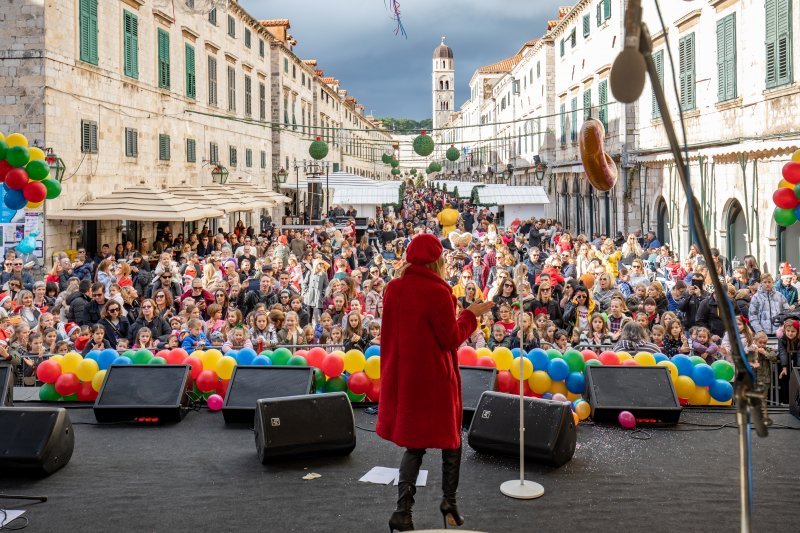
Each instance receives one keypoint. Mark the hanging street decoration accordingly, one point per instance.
(423, 144)
(452, 153)
(318, 149)
(25, 174)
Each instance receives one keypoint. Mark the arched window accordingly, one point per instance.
(736, 231)
(441, 85)
(447, 85)
(662, 222)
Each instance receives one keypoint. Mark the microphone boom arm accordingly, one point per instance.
(751, 404)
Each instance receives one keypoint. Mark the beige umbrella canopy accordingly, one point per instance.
(244, 189)
(138, 202)
(216, 196)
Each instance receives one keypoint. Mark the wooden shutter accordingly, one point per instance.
(87, 20)
(587, 25)
(163, 59)
(563, 111)
(783, 45)
(726, 58)
(599, 13)
(262, 101)
(248, 96)
(658, 59)
(191, 151)
(131, 44)
(191, 89)
(602, 95)
(573, 127)
(212, 80)
(163, 147)
(687, 74)
(587, 104)
(606, 9)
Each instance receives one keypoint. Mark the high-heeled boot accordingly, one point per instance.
(451, 465)
(406, 488)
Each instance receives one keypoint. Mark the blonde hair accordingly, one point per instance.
(437, 266)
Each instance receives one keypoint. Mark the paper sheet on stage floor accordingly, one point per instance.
(382, 475)
(8, 515)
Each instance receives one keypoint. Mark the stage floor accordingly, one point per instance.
(201, 476)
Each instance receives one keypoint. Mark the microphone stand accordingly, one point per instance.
(751, 404)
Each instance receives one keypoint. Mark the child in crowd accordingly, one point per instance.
(789, 347)
(195, 339)
(144, 339)
(291, 334)
(97, 340)
(308, 334)
(651, 312)
(561, 341)
(616, 317)
(701, 345)
(123, 343)
(36, 350)
(62, 347)
(217, 339)
(335, 337)
(657, 335)
(238, 338)
(262, 334)
(643, 320)
(761, 359)
(675, 341)
(214, 322)
(499, 337)
(745, 334)
(324, 325)
(50, 337)
(375, 331)
(354, 337)
(598, 333)
(505, 319)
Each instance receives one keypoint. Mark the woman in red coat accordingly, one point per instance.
(420, 405)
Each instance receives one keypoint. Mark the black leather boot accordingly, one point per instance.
(451, 465)
(406, 488)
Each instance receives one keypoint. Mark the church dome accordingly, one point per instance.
(443, 51)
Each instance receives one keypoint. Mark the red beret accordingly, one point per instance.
(424, 248)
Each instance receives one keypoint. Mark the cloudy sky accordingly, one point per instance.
(354, 41)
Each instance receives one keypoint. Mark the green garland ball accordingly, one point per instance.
(318, 149)
(395, 171)
(423, 144)
(387, 158)
(395, 163)
(452, 153)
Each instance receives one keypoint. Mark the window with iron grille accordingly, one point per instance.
(131, 142)
(163, 147)
(233, 155)
(88, 137)
(191, 151)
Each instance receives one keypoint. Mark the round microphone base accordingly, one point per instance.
(522, 490)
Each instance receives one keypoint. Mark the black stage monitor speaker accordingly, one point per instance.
(252, 383)
(645, 391)
(475, 380)
(794, 392)
(308, 425)
(6, 385)
(148, 393)
(550, 434)
(36, 440)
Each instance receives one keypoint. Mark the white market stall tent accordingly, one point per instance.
(512, 202)
(364, 199)
(464, 188)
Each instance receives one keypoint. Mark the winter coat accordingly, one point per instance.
(708, 316)
(158, 326)
(420, 400)
(79, 308)
(763, 307)
(788, 357)
(314, 286)
(790, 293)
(115, 332)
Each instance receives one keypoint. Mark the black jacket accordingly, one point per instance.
(94, 311)
(158, 326)
(254, 298)
(708, 316)
(114, 333)
(79, 308)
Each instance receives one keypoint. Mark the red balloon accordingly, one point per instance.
(332, 365)
(86, 393)
(506, 382)
(207, 381)
(176, 356)
(785, 198)
(222, 387)
(527, 391)
(588, 354)
(34, 191)
(315, 357)
(196, 364)
(467, 356)
(48, 371)
(17, 178)
(374, 393)
(67, 384)
(486, 361)
(791, 173)
(303, 354)
(5, 167)
(609, 358)
(359, 383)
(630, 362)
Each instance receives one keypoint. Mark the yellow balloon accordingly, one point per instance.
(225, 367)
(16, 139)
(97, 380)
(645, 359)
(527, 368)
(70, 362)
(354, 361)
(796, 157)
(685, 387)
(783, 184)
(624, 356)
(372, 368)
(700, 396)
(34, 205)
(583, 410)
(559, 386)
(712, 401)
(673, 370)
(339, 353)
(87, 369)
(540, 382)
(571, 396)
(2, 137)
(210, 359)
(483, 352)
(36, 154)
(502, 358)
(57, 359)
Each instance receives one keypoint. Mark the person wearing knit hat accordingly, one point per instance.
(420, 394)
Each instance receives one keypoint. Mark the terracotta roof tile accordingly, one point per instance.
(563, 10)
(501, 66)
(310, 62)
(275, 22)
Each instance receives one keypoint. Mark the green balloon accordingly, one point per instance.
(129, 354)
(297, 360)
(574, 360)
(355, 398)
(142, 357)
(784, 217)
(3, 149)
(48, 393)
(37, 170)
(71, 398)
(337, 384)
(207, 395)
(267, 353)
(157, 361)
(552, 353)
(593, 362)
(280, 357)
(696, 360)
(319, 380)
(18, 156)
(53, 188)
(723, 370)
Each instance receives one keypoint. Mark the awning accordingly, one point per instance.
(138, 202)
(280, 198)
(251, 192)
(213, 195)
(499, 194)
(464, 187)
(386, 193)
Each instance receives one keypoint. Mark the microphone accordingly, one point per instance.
(629, 69)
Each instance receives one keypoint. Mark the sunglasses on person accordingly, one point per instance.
(97, 294)
(166, 277)
(580, 296)
(8, 264)
(113, 309)
(147, 306)
(159, 296)
(508, 285)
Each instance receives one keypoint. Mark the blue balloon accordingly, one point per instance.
(372, 351)
(539, 359)
(122, 360)
(14, 199)
(576, 383)
(558, 370)
(107, 358)
(94, 355)
(547, 396)
(235, 355)
(721, 390)
(703, 375)
(660, 357)
(515, 352)
(246, 356)
(261, 360)
(684, 364)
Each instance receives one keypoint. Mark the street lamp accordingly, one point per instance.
(56, 164)
(219, 174)
(540, 171)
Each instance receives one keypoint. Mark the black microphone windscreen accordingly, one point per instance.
(627, 76)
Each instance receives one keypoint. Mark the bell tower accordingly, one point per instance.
(443, 84)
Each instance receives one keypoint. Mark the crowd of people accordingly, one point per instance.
(324, 285)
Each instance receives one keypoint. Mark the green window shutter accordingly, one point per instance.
(587, 104)
(563, 111)
(263, 159)
(163, 147)
(248, 96)
(573, 127)
(561, 48)
(212, 16)
(602, 95)
(587, 25)
(163, 59)
(599, 13)
(726, 58)
(658, 59)
(191, 151)
(687, 74)
(248, 158)
(778, 42)
(87, 20)
(606, 9)
(130, 23)
(191, 79)
(212, 81)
